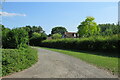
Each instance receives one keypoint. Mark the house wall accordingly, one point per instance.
(70, 35)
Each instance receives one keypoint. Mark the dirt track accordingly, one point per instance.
(56, 65)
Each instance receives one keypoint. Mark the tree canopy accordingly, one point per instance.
(14, 38)
(20, 37)
(109, 29)
(37, 38)
(32, 29)
(59, 30)
(88, 27)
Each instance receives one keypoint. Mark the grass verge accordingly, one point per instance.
(14, 60)
(104, 62)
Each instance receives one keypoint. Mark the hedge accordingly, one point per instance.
(108, 43)
(14, 60)
(12, 39)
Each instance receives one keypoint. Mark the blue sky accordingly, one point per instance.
(52, 14)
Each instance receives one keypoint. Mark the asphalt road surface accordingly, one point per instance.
(57, 65)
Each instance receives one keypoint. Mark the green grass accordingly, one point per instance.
(104, 62)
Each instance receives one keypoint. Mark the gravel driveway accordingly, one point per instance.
(56, 65)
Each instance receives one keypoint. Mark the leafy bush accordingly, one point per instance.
(14, 38)
(56, 36)
(92, 43)
(36, 38)
(5, 39)
(14, 60)
(20, 36)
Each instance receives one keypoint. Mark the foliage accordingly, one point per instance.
(5, 35)
(109, 29)
(37, 38)
(56, 36)
(36, 34)
(32, 29)
(92, 43)
(14, 38)
(14, 60)
(59, 30)
(88, 28)
(20, 37)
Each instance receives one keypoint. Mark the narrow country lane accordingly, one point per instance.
(56, 65)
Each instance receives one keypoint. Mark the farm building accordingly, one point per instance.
(70, 35)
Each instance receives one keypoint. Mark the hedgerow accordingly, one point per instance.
(14, 60)
(108, 43)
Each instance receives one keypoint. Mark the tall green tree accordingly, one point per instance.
(88, 28)
(59, 30)
(32, 29)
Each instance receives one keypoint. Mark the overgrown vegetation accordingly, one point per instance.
(14, 60)
(16, 54)
(17, 37)
(14, 38)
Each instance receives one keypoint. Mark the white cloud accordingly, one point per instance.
(11, 14)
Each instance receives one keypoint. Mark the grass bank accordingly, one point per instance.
(14, 60)
(104, 62)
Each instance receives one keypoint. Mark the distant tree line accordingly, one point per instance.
(88, 28)
(33, 35)
(23, 36)
(109, 29)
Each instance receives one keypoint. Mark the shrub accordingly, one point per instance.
(14, 60)
(56, 36)
(36, 38)
(100, 43)
(20, 36)
(5, 32)
(14, 38)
